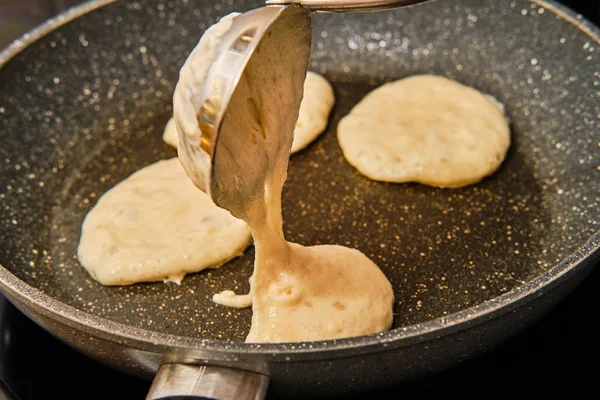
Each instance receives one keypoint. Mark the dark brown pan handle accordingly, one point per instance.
(188, 381)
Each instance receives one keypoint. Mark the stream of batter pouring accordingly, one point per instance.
(298, 293)
(302, 293)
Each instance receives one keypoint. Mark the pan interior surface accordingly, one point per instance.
(81, 111)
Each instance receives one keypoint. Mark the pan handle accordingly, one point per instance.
(347, 5)
(188, 381)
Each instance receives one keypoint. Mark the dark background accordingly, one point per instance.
(559, 354)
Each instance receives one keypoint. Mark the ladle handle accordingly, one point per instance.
(189, 381)
(347, 5)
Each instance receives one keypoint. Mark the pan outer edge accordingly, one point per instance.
(401, 337)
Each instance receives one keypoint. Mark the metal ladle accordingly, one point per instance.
(253, 88)
(346, 5)
(267, 50)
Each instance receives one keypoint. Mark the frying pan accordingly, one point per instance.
(84, 98)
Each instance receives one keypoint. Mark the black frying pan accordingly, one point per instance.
(83, 105)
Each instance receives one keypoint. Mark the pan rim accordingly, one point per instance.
(399, 337)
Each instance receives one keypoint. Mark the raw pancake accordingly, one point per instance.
(320, 292)
(156, 225)
(170, 133)
(297, 293)
(425, 129)
(314, 112)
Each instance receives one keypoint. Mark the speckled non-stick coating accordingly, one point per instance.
(84, 107)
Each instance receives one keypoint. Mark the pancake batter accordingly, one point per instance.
(170, 133)
(314, 111)
(297, 293)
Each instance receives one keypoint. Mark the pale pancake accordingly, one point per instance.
(318, 293)
(314, 110)
(314, 113)
(425, 129)
(156, 225)
(170, 135)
